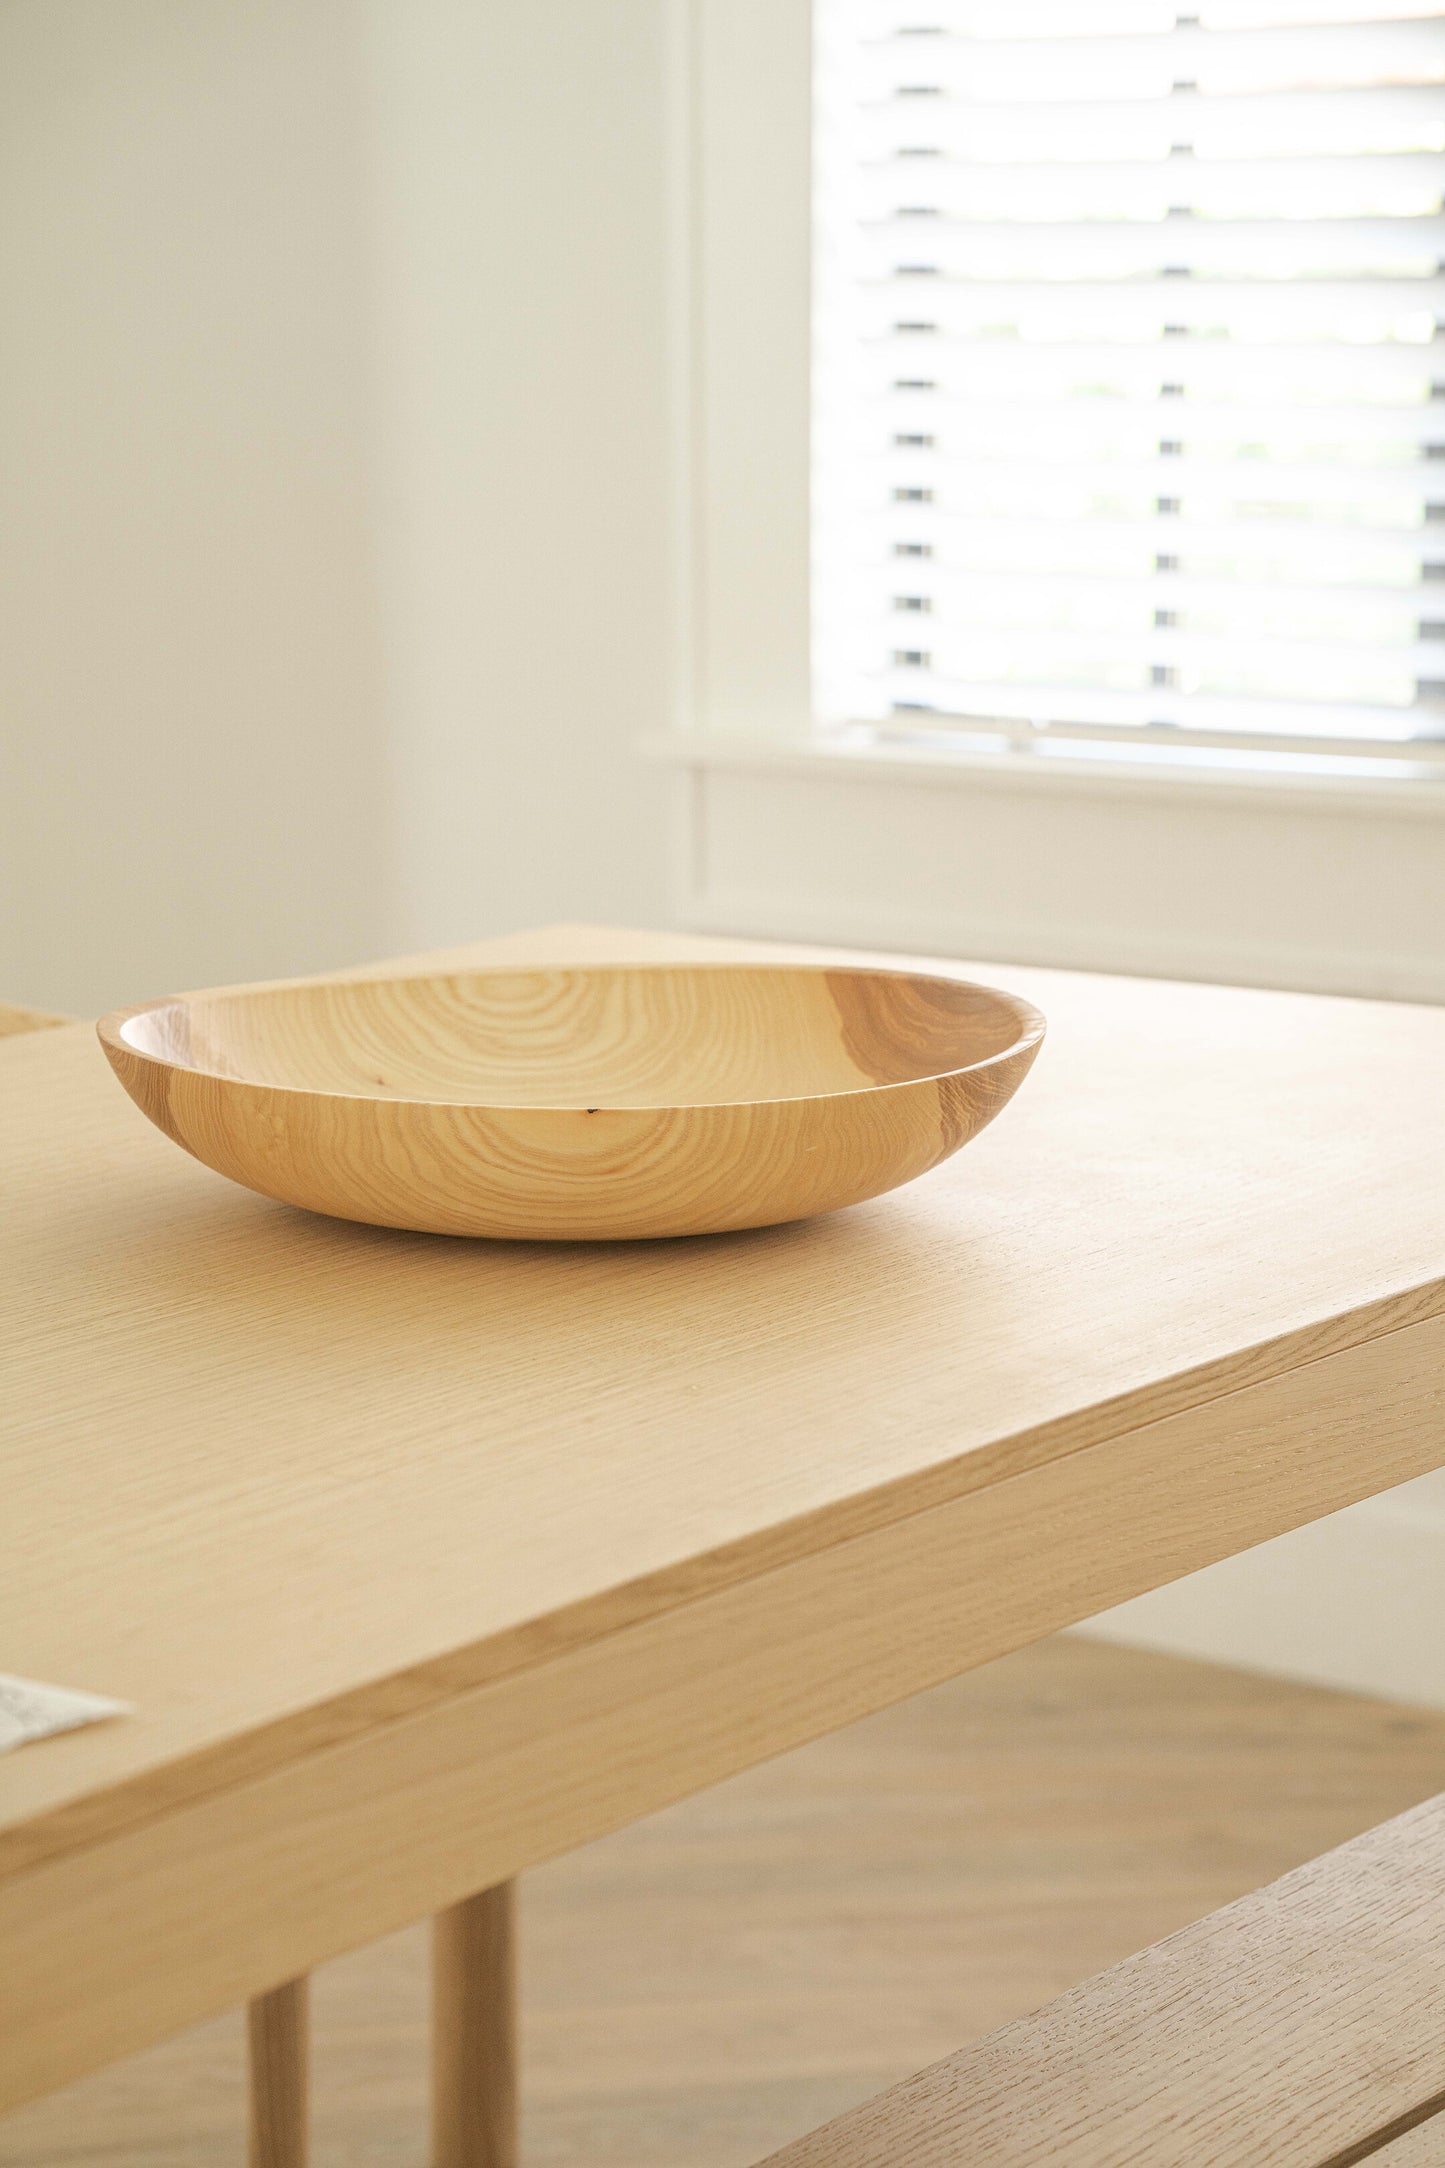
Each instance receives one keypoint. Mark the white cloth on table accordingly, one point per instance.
(30, 1710)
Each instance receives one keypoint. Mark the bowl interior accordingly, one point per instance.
(592, 1036)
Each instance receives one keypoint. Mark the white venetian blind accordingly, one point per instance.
(1129, 393)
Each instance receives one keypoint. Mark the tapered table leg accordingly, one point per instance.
(278, 2025)
(474, 2032)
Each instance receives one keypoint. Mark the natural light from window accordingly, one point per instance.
(1129, 395)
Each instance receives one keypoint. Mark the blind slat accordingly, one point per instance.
(1289, 371)
(1346, 610)
(1353, 311)
(985, 22)
(1397, 496)
(988, 645)
(1274, 125)
(1404, 184)
(1130, 709)
(1210, 62)
(1075, 426)
(1357, 249)
(1132, 548)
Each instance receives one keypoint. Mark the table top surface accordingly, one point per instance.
(274, 1478)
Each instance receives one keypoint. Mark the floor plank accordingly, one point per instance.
(701, 1988)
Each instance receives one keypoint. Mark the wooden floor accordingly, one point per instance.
(703, 1987)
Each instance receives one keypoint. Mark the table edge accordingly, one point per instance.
(156, 1927)
(93, 1816)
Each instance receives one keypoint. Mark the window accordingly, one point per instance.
(1129, 395)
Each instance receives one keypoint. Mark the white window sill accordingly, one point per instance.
(1176, 778)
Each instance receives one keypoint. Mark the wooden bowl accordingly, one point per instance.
(576, 1103)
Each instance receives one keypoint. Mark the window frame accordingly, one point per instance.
(742, 85)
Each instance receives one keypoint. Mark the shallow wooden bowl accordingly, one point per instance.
(578, 1103)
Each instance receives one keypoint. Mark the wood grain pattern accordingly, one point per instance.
(1422, 2148)
(709, 1984)
(1298, 2028)
(327, 1502)
(278, 2042)
(474, 2032)
(262, 1878)
(563, 1105)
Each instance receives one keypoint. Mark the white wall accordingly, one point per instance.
(1356, 1600)
(1259, 882)
(334, 423)
(522, 202)
(190, 723)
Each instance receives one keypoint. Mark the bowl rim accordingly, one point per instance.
(1030, 1020)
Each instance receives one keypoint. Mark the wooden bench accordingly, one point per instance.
(1303, 2027)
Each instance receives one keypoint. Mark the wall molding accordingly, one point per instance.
(1337, 887)
(864, 760)
(1017, 940)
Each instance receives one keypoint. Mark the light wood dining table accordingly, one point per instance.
(422, 1560)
